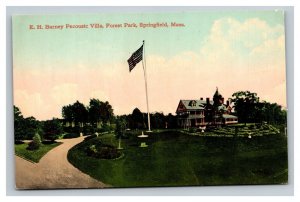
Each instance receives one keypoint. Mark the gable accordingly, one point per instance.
(180, 107)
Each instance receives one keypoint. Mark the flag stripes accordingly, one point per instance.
(135, 58)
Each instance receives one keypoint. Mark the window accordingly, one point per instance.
(192, 103)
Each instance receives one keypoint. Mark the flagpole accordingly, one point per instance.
(146, 87)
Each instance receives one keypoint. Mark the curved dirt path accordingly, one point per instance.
(53, 171)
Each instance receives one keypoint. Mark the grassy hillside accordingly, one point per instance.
(176, 159)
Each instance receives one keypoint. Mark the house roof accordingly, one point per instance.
(199, 104)
(222, 107)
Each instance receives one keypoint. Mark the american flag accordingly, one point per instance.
(135, 58)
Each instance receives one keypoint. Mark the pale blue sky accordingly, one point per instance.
(99, 45)
(232, 50)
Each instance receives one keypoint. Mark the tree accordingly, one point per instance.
(120, 127)
(158, 120)
(76, 112)
(80, 113)
(271, 113)
(106, 112)
(52, 129)
(100, 111)
(171, 121)
(94, 111)
(245, 104)
(68, 113)
(18, 125)
(31, 126)
(24, 128)
(35, 143)
(249, 109)
(137, 118)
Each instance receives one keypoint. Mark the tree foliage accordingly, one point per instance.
(75, 112)
(80, 113)
(24, 128)
(248, 108)
(96, 112)
(99, 111)
(106, 112)
(120, 127)
(52, 129)
(271, 113)
(18, 125)
(158, 120)
(137, 119)
(68, 113)
(35, 143)
(171, 121)
(245, 104)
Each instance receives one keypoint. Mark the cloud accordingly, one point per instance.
(30, 104)
(64, 93)
(236, 55)
(248, 55)
(231, 40)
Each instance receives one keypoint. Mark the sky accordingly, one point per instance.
(230, 50)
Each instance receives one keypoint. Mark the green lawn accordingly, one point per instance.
(175, 159)
(36, 155)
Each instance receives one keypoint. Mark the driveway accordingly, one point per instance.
(53, 171)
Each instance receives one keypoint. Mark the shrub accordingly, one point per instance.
(108, 152)
(102, 151)
(35, 143)
(52, 129)
(105, 128)
(92, 150)
(71, 135)
(69, 129)
(88, 130)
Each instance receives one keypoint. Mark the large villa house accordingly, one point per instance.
(200, 113)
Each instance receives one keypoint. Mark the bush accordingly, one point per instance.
(105, 128)
(69, 129)
(102, 151)
(88, 130)
(35, 143)
(108, 152)
(75, 129)
(52, 129)
(71, 135)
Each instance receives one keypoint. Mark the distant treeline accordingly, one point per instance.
(98, 116)
(139, 120)
(249, 109)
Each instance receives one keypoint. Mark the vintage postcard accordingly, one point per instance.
(150, 99)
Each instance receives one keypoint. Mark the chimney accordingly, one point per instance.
(201, 98)
(227, 103)
(207, 101)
